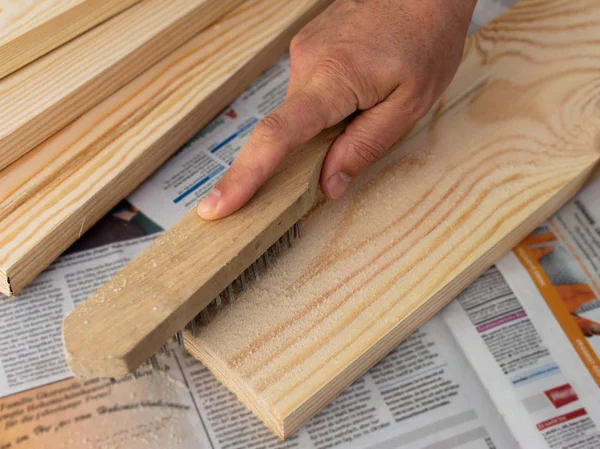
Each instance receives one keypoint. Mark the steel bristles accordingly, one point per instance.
(278, 247)
(154, 362)
(192, 325)
(205, 316)
(241, 282)
(266, 261)
(179, 337)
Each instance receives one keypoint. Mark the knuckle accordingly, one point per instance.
(270, 128)
(337, 64)
(365, 151)
(296, 44)
(249, 175)
(422, 102)
(302, 46)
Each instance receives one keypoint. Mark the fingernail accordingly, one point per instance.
(337, 184)
(210, 202)
(595, 328)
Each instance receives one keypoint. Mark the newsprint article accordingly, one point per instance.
(512, 362)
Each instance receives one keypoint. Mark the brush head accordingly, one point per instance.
(189, 267)
(251, 274)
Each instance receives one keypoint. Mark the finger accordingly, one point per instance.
(364, 141)
(588, 327)
(299, 118)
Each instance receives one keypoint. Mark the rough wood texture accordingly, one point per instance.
(51, 92)
(489, 164)
(184, 270)
(32, 28)
(107, 152)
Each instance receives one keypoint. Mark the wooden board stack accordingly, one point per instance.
(63, 186)
(30, 29)
(52, 91)
(493, 161)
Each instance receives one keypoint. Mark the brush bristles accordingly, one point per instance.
(252, 273)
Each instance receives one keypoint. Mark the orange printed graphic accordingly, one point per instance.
(563, 300)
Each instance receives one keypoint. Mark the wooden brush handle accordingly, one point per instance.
(160, 291)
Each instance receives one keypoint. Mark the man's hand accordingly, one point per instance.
(388, 59)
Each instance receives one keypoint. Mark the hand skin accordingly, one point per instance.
(387, 61)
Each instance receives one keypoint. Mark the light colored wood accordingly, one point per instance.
(491, 163)
(32, 28)
(185, 269)
(108, 151)
(51, 92)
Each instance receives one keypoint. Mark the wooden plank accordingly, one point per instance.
(31, 28)
(184, 270)
(112, 148)
(492, 163)
(46, 95)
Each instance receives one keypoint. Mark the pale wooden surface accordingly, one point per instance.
(46, 95)
(184, 270)
(31, 28)
(514, 137)
(136, 129)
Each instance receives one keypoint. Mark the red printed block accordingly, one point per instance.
(562, 395)
(561, 419)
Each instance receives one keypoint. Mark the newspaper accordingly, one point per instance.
(511, 363)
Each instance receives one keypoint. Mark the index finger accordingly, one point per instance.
(301, 116)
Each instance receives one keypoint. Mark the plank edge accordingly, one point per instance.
(287, 425)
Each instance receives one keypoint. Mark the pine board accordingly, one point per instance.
(48, 94)
(108, 151)
(512, 139)
(32, 28)
(184, 269)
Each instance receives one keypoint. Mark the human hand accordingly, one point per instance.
(589, 328)
(388, 59)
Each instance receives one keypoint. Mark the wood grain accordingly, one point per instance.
(513, 138)
(31, 28)
(181, 272)
(108, 151)
(48, 94)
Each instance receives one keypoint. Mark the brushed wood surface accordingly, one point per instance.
(32, 28)
(48, 94)
(108, 151)
(514, 137)
(184, 270)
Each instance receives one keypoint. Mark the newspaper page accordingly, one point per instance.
(529, 327)
(427, 393)
(423, 395)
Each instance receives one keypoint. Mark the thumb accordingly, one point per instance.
(364, 141)
(302, 115)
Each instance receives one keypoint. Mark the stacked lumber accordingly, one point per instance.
(44, 96)
(60, 188)
(30, 29)
(512, 139)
